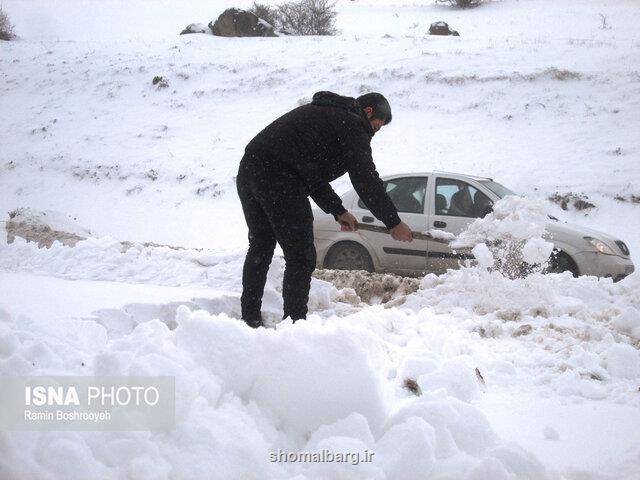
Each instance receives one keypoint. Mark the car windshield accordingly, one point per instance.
(500, 190)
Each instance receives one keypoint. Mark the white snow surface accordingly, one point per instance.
(530, 378)
(483, 255)
(441, 234)
(536, 250)
(512, 219)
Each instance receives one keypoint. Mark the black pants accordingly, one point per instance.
(276, 208)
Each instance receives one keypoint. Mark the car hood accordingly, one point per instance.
(569, 232)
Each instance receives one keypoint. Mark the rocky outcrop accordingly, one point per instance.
(43, 228)
(235, 22)
(195, 28)
(442, 28)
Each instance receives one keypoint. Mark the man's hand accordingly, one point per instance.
(401, 232)
(348, 222)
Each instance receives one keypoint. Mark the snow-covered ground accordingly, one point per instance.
(532, 378)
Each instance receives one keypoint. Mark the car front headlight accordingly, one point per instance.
(600, 246)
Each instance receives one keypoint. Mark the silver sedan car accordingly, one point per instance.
(450, 202)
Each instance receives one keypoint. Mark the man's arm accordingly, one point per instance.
(326, 198)
(367, 183)
(347, 221)
(370, 188)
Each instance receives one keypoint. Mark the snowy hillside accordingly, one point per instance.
(533, 94)
(472, 376)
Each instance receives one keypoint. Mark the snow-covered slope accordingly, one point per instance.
(534, 93)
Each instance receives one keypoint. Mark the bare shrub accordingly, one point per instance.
(265, 12)
(307, 17)
(6, 29)
(461, 3)
(603, 23)
(160, 82)
(299, 17)
(578, 201)
(412, 385)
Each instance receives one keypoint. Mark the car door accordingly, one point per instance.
(454, 205)
(408, 194)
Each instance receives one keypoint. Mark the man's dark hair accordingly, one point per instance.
(379, 104)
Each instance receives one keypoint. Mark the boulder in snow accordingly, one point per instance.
(442, 28)
(235, 22)
(44, 228)
(195, 28)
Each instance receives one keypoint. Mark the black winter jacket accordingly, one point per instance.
(322, 141)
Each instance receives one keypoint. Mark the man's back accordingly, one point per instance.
(321, 136)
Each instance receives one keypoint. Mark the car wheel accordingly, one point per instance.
(348, 256)
(562, 262)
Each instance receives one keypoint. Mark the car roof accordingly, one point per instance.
(435, 172)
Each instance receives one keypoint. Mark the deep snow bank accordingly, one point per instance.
(105, 259)
(242, 394)
(335, 382)
(576, 337)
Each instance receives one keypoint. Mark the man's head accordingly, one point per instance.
(376, 108)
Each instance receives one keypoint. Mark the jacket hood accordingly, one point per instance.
(330, 99)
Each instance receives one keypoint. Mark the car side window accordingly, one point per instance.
(459, 199)
(407, 194)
